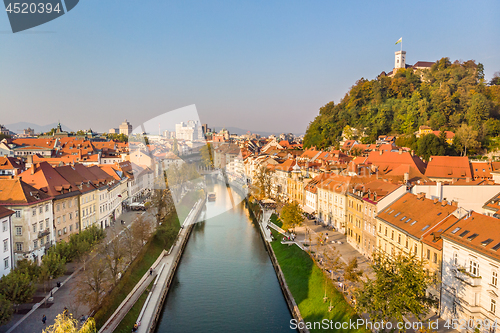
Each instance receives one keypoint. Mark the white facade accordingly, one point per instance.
(469, 285)
(7, 252)
(400, 60)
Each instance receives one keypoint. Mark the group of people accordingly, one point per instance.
(291, 237)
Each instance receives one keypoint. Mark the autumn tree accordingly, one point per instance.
(351, 271)
(207, 157)
(398, 289)
(141, 230)
(113, 255)
(263, 182)
(67, 324)
(92, 283)
(466, 138)
(291, 215)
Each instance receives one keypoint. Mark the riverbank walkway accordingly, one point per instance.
(163, 270)
(64, 297)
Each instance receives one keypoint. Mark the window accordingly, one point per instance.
(65, 230)
(47, 207)
(35, 243)
(34, 211)
(493, 306)
(416, 249)
(70, 227)
(474, 268)
(5, 245)
(76, 226)
(386, 231)
(428, 254)
(40, 209)
(406, 242)
(41, 241)
(41, 226)
(64, 205)
(19, 246)
(399, 238)
(455, 230)
(455, 258)
(59, 232)
(64, 218)
(58, 220)
(18, 213)
(494, 278)
(19, 231)
(392, 234)
(34, 227)
(435, 260)
(46, 223)
(58, 207)
(4, 226)
(69, 204)
(70, 216)
(6, 263)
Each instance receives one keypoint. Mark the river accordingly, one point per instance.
(225, 281)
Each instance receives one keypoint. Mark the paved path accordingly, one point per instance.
(64, 296)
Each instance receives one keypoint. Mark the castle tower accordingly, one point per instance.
(400, 60)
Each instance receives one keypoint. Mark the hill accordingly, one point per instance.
(445, 97)
(19, 127)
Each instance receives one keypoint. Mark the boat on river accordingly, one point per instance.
(211, 196)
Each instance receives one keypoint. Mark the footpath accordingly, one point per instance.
(64, 297)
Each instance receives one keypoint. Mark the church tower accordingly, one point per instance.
(400, 60)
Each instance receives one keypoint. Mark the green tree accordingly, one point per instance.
(398, 289)
(479, 111)
(17, 287)
(68, 324)
(351, 271)
(291, 216)
(53, 266)
(5, 310)
(28, 267)
(495, 80)
(431, 145)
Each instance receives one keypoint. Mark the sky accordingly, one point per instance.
(256, 65)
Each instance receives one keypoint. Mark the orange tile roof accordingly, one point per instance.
(448, 167)
(481, 170)
(390, 160)
(9, 163)
(483, 234)
(415, 216)
(44, 177)
(17, 192)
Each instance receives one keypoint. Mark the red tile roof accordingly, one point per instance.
(448, 167)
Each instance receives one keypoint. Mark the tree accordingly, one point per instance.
(495, 80)
(398, 289)
(17, 287)
(263, 182)
(53, 266)
(466, 138)
(132, 247)
(351, 271)
(113, 255)
(333, 261)
(479, 111)
(431, 145)
(175, 147)
(68, 324)
(28, 267)
(207, 155)
(92, 284)
(141, 230)
(5, 310)
(291, 215)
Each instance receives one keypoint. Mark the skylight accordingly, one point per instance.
(486, 242)
(471, 237)
(496, 247)
(413, 222)
(427, 226)
(391, 211)
(440, 213)
(456, 230)
(403, 218)
(464, 233)
(387, 211)
(408, 220)
(397, 214)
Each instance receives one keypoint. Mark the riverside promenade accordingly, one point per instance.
(163, 272)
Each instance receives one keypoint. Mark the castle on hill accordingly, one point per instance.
(400, 62)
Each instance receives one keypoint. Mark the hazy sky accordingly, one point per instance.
(259, 65)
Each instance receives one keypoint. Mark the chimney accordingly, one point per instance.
(467, 179)
(436, 200)
(444, 203)
(454, 203)
(33, 169)
(400, 151)
(381, 152)
(406, 177)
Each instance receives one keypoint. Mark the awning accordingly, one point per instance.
(308, 209)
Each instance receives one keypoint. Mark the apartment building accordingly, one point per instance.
(7, 254)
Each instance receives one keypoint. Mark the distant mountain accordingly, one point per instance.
(239, 131)
(22, 125)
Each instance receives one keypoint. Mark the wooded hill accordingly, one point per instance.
(447, 96)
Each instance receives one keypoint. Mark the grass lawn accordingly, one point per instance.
(276, 220)
(146, 257)
(128, 322)
(307, 284)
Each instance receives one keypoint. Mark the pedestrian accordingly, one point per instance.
(44, 319)
(151, 271)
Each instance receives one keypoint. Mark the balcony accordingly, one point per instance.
(43, 233)
(468, 278)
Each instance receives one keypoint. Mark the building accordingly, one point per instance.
(448, 168)
(10, 166)
(412, 225)
(471, 265)
(7, 255)
(32, 223)
(4, 130)
(125, 128)
(65, 197)
(191, 131)
(114, 131)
